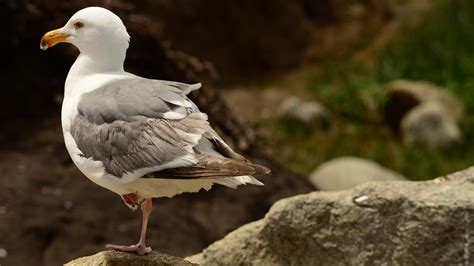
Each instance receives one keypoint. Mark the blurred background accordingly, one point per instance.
(328, 93)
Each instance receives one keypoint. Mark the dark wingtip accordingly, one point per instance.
(260, 169)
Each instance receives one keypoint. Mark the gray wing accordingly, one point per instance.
(139, 125)
(146, 145)
(136, 99)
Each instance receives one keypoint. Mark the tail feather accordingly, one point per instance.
(234, 182)
(213, 167)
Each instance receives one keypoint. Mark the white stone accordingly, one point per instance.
(347, 172)
(3, 253)
(430, 125)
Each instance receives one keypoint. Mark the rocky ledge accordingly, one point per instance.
(379, 223)
(392, 223)
(114, 258)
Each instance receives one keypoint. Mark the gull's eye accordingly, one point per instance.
(78, 24)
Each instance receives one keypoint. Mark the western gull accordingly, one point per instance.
(140, 138)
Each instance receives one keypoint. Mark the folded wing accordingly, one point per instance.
(140, 127)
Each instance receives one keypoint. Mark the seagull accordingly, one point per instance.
(140, 138)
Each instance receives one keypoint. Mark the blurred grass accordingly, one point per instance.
(439, 49)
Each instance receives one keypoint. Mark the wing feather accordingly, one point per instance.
(140, 127)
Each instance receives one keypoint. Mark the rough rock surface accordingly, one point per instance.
(348, 172)
(430, 125)
(112, 258)
(404, 95)
(379, 223)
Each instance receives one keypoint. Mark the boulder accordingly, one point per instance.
(404, 95)
(308, 113)
(348, 172)
(111, 258)
(378, 223)
(430, 125)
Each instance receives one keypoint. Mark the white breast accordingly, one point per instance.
(94, 170)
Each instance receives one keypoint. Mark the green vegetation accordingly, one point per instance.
(440, 49)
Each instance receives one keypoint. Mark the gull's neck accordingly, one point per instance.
(89, 72)
(89, 63)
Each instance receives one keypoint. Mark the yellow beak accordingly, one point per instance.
(52, 38)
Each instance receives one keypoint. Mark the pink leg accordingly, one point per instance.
(139, 248)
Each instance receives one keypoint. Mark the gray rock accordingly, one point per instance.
(378, 223)
(348, 172)
(429, 125)
(422, 92)
(306, 112)
(423, 113)
(112, 258)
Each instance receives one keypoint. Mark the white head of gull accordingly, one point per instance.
(140, 138)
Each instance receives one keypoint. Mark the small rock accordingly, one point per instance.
(110, 258)
(67, 204)
(288, 105)
(3, 253)
(3, 210)
(348, 172)
(305, 112)
(361, 199)
(430, 125)
(404, 95)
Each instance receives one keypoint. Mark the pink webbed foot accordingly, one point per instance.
(139, 249)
